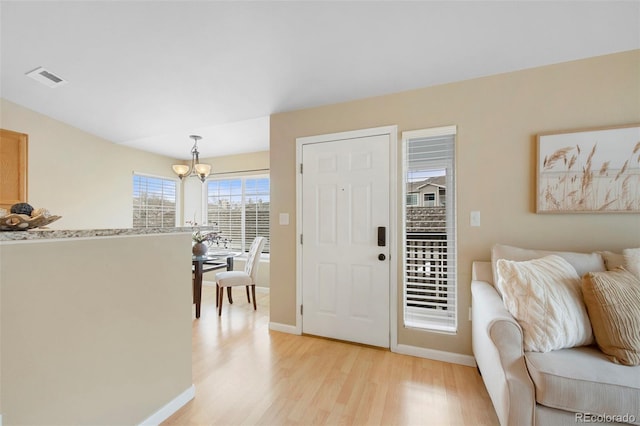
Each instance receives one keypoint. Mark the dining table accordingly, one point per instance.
(212, 261)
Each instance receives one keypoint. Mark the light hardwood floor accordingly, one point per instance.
(245, 374)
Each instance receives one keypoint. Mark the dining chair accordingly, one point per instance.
(246, 278)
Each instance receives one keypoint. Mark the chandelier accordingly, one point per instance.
(197, 169)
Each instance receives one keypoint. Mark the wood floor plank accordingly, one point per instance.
(245, 374)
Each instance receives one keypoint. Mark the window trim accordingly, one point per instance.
(451, 216)
(178, 193)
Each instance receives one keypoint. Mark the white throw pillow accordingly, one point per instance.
(544, 296)
(582, 262)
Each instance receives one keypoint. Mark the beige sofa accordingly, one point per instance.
(561, 387)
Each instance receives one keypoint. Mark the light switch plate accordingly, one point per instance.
(284, 219)
(474, 218)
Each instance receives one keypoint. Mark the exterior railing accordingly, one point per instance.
(427, 258)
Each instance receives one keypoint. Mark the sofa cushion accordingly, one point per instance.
(629, 259)
(613, 303)
(544, 296)
(582, 380)
(582, 262)
(612, 260)
(632, 260)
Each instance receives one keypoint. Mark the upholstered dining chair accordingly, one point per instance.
(246, 278)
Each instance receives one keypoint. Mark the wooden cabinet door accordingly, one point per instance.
(13, 168)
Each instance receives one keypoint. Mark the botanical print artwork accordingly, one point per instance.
(589, 171)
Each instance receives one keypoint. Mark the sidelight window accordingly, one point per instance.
(430, 256)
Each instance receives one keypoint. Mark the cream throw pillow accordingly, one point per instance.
(613, 303)
(582, 262)
(544, 296)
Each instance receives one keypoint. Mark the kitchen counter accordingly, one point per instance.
(51, 234)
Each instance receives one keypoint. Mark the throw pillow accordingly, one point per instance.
(632, 260)
(613, 303)
(582, 262)
(612, 260)
(544, 296)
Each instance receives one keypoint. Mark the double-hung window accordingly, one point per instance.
(429, 258)
(154, 201)
(240, 208)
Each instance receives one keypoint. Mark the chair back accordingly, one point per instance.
(253, 258)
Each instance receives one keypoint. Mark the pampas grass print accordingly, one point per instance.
(566, 184)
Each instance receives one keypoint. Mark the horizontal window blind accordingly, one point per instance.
(256, 204)
(154, 202)
(240, 208)
(224, 208)
(430, 235)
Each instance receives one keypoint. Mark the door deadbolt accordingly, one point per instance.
(381, 256)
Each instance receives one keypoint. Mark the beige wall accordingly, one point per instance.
(79, 176)
(245, 164)
(96, 331)
(498, 118)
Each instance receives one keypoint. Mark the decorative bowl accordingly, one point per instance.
(22, 222)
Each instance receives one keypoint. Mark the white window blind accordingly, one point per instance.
(429, 232)
(240, 208)
(256, 211)
(154, 202)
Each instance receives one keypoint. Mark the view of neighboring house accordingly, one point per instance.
(430, 192)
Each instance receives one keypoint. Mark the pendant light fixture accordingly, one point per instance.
(197, 169)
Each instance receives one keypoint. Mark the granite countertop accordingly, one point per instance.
(50, 234)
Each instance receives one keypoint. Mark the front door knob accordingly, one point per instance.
(381, 256)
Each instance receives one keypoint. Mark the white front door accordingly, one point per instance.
(345, 246)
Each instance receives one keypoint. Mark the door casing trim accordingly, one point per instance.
(392, 132)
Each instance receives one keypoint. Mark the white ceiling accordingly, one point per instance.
(148, 74)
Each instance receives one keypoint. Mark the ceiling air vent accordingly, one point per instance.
(46, 77)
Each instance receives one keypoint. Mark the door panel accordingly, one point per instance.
(345, 198)
(327, 203)
(326, 293)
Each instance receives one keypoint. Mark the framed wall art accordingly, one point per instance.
(589, 171)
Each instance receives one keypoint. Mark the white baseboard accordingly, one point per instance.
(434, 354)
(171, 407)
(284, 328)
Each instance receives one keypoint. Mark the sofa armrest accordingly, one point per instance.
(497, 347)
